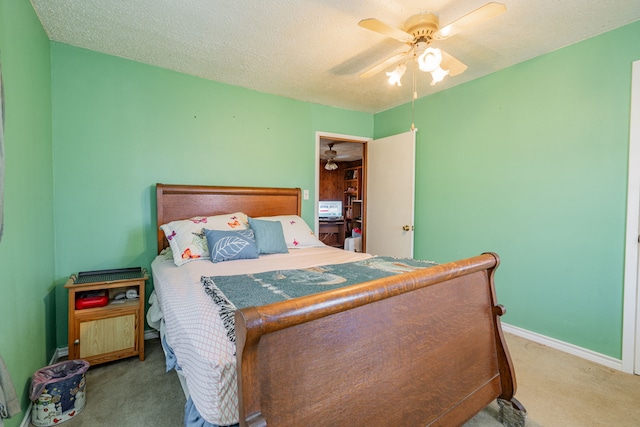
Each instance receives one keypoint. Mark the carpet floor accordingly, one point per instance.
(131, 393)
(556, 388)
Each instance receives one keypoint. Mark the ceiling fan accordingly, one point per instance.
(330, 155)
(418, 32)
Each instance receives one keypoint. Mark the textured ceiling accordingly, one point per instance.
(346, 151)
(314, 50)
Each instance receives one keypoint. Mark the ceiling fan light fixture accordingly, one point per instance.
(396, 75)
(418, 32)
(331, 165)
(430, 60)
(438, 74)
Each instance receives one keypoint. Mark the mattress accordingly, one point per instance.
(195, 331)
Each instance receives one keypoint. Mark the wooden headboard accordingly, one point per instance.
(176, 202)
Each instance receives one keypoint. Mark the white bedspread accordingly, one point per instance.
(195, 331)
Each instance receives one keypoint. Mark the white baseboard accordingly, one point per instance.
(61, 352)
(151, 334)
(26, 421)
(574, 350)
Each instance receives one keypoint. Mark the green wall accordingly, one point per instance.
(119, 127)
(531, 162)
(27, 323)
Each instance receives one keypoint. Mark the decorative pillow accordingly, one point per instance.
(269, 236)
(230, 245)
(297, 233)
(187, 240)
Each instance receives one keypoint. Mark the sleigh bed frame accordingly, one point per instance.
(415, 349)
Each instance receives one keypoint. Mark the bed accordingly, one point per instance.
(421, 347)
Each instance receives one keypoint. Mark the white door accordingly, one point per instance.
(631, 310)
(390, 195)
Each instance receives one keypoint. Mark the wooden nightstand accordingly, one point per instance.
(113, 331)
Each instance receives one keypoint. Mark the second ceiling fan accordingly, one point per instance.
(419, 31)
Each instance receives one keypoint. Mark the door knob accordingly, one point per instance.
(407, 228)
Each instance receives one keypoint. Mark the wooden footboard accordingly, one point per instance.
(416, 349)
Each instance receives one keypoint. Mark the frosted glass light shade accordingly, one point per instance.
(430, 59)
(438, 74)
(331, 166)
(396, 75)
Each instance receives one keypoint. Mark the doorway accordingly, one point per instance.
(341, 177)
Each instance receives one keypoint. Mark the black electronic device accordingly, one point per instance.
(109, 275)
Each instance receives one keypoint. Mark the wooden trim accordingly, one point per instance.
(176, 202)
(419, 348)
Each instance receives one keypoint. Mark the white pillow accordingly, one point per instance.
(297, 233)
(188, 241)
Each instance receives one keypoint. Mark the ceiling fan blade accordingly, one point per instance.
(380, 27)
(384, 64)
(481, 14)
(452, 64)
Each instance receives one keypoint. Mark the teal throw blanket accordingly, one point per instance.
(230, 292)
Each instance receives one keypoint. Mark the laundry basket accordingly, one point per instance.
(58, 392)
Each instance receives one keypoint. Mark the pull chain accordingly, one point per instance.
(414, 95)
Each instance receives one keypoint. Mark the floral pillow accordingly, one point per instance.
(297, 233)
(187, 238)
(230, 245)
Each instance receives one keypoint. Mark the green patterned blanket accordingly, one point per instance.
(230, 292)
